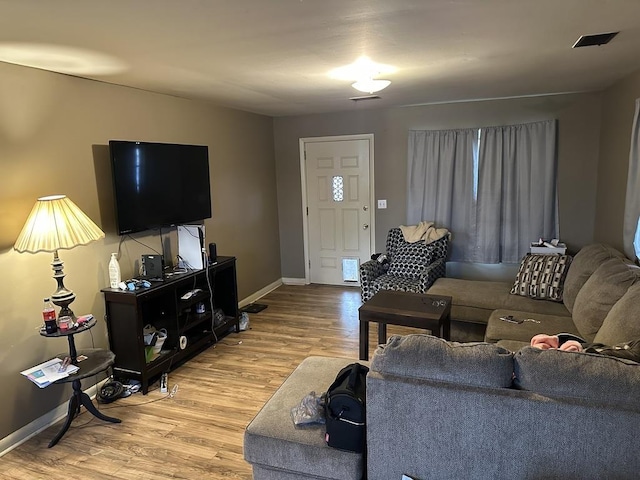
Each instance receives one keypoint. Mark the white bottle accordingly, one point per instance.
(114, 271)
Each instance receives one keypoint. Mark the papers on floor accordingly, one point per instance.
(46, 373)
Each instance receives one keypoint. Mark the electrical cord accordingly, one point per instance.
(174, 390)
(186, 264)
(239, 342)
(171, 394)
(120, 246)
(190, 233)
(143, 244)
(162, 244)
(110, 390)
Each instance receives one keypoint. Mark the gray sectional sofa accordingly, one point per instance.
(444, 410)
(600, 302)
(497, 408)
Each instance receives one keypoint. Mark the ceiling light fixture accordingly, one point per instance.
(363, 67)
(362, 73)
(370, 85)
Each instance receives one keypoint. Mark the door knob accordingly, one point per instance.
(365, 208)
(365, 226)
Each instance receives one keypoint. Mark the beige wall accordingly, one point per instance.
(54, 133)
(615, 140)
(578, 156)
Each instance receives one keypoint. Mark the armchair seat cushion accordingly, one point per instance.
(396, 283)
(412, 267)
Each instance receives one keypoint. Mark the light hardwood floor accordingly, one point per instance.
(198, 433)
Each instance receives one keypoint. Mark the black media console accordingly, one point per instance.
(162, 306)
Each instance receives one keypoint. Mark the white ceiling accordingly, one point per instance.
(273, 56)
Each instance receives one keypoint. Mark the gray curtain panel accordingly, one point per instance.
(632, 205)
(517, 195)
(440, 183)
(494, 188)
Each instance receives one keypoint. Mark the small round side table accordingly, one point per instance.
(97, 360)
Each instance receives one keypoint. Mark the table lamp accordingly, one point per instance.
(56, 223)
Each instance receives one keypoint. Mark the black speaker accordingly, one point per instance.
(152, 266)
(213, 252)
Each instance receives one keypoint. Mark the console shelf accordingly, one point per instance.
(162, 306)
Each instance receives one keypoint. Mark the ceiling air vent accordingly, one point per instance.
(365, 97)
(595, 39)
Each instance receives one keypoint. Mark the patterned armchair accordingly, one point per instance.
(412, 267)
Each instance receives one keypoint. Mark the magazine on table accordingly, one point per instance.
(48, 372)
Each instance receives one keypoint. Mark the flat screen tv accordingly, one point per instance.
(159, 184)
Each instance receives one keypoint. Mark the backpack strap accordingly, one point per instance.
(353, 377)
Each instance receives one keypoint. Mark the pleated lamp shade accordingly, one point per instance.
(56, 223)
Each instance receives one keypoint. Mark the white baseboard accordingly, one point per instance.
(30, 430)
(294, 281)
(259, 294)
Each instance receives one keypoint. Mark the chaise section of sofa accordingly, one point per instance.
(597, 278)
(442, 410)
(278, 450)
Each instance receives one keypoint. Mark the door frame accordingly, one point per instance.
(303, 184)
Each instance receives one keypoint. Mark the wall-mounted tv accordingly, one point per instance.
(159, 184)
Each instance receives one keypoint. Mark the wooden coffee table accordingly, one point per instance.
(430, 312)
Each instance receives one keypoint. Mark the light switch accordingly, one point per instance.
(382, 204)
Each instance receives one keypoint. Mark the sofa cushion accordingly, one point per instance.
(526, 304)
(541, 276)
(523, 332)
(475, 300)
(592, 377)
(601, 291)
(622, 323)
(512, 345)
(432, 358)
(583, 265)
(409, 259)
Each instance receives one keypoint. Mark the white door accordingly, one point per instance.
(338, 209)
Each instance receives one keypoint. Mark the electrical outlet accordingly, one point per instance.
(382, 204)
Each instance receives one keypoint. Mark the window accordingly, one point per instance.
(338, 188)
(494, 188)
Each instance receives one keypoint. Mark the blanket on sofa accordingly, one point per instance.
(423, 231)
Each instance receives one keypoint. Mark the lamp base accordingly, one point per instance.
(62, 297)
(65, 311)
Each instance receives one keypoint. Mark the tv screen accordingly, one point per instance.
(159, 184)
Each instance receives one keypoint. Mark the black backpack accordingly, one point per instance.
(345, 409)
